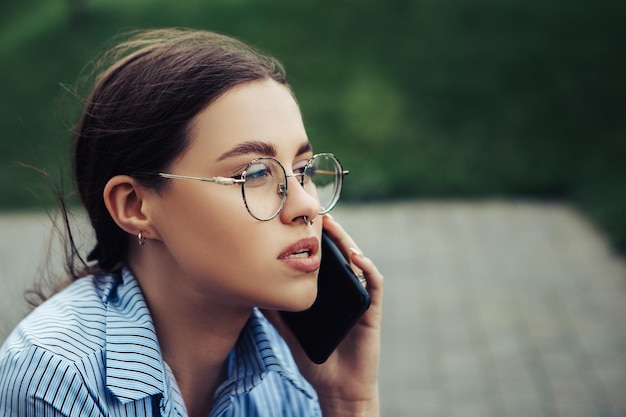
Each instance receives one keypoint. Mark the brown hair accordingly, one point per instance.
(137, 117)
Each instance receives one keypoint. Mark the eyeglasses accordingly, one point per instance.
(264, 183)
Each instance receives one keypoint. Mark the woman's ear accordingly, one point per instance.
(128, 204)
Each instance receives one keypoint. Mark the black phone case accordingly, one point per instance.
(341, 301)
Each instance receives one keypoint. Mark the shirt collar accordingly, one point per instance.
(261, 350)
(134, 365)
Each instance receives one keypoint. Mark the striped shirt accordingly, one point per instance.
(91, 350)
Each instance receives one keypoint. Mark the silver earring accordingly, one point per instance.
(141, 240)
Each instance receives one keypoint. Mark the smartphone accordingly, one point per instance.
(341, 301)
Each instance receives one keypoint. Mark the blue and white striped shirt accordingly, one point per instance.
(91, 350)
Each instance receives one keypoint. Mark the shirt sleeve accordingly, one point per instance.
(35, 382)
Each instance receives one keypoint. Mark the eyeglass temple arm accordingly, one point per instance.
(225, 180)
(320, 171)
(215, 180)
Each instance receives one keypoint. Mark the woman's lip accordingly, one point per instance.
(310, 263)
(311, 244)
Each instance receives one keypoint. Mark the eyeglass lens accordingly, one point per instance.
(265, 186)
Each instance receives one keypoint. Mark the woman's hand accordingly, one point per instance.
(347, 383)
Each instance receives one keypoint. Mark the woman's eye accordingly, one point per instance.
(258, 172)
(310, 171)
(304, 174)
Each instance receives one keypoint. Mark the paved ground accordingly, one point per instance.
(493, 309)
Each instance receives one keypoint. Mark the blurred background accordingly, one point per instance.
(487, 138)
(422, 98)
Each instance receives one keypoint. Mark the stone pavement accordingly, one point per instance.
(492, 309)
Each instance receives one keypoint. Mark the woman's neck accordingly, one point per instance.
(196, 334)
(199, 362)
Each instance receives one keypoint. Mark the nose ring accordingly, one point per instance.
(307, 221)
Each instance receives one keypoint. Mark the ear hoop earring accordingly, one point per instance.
(307, 221)
(141, 240)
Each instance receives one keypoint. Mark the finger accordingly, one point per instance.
(359, 262)
(345, 243)
(374, 285)
(371, 274)
(338, 235)
(353, 254)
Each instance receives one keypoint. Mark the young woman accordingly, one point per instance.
(194, 166)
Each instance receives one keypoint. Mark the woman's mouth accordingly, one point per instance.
(302, 255)
(299, 255)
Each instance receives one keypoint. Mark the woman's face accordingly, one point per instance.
(212, 247)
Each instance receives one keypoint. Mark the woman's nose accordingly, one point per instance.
(299, 203)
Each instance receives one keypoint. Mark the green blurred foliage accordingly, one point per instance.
(419, 99)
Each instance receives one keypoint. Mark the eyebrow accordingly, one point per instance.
(262, 148)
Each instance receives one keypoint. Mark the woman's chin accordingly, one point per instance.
(302, 301)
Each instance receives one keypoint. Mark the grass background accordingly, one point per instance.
(419, 99)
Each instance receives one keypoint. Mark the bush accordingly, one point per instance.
(418, 99)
